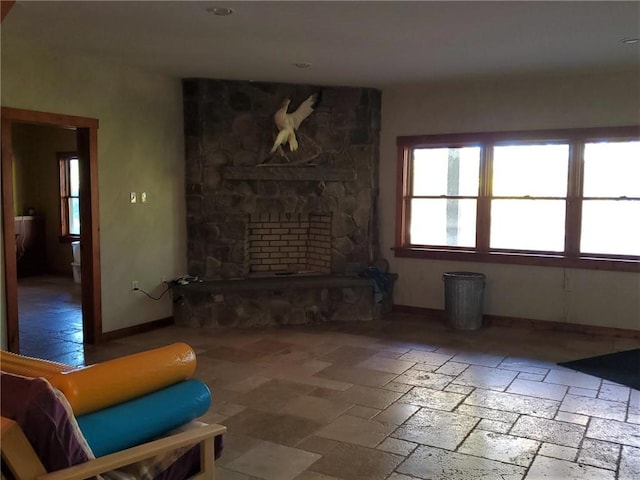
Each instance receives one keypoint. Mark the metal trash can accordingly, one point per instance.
(463, 299)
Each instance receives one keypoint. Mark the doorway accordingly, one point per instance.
(47, 233)
(89, 288)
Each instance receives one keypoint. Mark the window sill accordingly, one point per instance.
(590, 263)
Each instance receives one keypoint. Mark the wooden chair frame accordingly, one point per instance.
(24, 463)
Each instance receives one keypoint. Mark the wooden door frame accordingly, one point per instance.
(5, 6)
(87, 144)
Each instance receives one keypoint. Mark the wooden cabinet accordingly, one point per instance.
(31, 252)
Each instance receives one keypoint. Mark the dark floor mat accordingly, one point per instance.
(620, 367)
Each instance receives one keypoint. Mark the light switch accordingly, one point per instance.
(134, 197)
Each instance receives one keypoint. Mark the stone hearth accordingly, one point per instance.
(281, 300)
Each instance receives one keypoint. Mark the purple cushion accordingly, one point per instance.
(45, 421)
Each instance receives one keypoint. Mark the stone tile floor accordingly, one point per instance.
(50, 316)
(405, 398)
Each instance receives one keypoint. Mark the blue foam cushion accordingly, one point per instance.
(145, 418)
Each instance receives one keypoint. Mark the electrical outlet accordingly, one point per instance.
(134, 285)
(143, 197)
(133, 197)
(163, 279)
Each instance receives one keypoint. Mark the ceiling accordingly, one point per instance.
(359, 43)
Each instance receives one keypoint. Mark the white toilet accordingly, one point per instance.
(75, 265)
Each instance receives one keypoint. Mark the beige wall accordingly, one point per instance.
(140, 148)
(564, 295)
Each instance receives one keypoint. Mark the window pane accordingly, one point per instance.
(443, 222)
(612, 169)
(74, 216)
(74, 177)
(610, 226)
(534, 170)
(528, 225)
(446, 171)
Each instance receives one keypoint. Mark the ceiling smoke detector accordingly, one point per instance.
(220, 11)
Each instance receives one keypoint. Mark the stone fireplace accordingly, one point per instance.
(253, 214)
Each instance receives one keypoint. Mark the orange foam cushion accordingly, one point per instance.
(28, 366)
(108, 383)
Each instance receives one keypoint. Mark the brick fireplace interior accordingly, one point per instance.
(289, 243)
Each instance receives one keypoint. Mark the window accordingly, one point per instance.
(445, 193)
(69, 196)
(562, 198)
(611, 206)
(529, 197)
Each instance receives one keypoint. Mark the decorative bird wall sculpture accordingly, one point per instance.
(288, 123)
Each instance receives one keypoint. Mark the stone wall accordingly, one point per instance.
(231, 177)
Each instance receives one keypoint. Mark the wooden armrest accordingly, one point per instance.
(18, 453)
(131, 455)
(22, 457)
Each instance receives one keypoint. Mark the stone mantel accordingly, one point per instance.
(289, 173)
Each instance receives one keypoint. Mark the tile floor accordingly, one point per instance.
(407, 398)
(50, 316)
